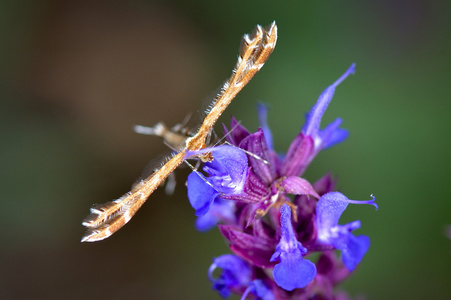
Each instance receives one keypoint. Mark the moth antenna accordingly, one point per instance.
(249, 153)
(201, 175)
(227, 134)
(179, 127)
(172, 139)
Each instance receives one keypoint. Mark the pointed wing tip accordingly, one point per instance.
(273, 26)
(88, 236)
(93, 236)
(85, 238)
(272, 29)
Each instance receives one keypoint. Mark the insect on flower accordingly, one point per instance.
(106, 219)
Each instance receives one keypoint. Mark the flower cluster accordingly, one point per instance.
(245, 190)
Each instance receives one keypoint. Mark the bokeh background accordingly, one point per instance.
(75, 77)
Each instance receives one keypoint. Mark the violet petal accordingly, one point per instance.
(298, 156)
(258, 251)
(200, 194)
(263, 120)
(256, 144)
(298, 186)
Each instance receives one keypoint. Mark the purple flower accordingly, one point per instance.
(293, 271)
(311, 139)
(235, 275)
(328, 211)
(227, 172)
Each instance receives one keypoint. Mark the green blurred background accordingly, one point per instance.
(77, 75)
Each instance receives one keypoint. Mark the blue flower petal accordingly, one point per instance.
(259, 289)
(228, 169)
(332, 135)
(236, 273)
(200, 194)
(312, 125)
(293, 271)
(206, 222)
(328, 211)
(220, 210)
(228, 172)
(356, 247)
(263, 120)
